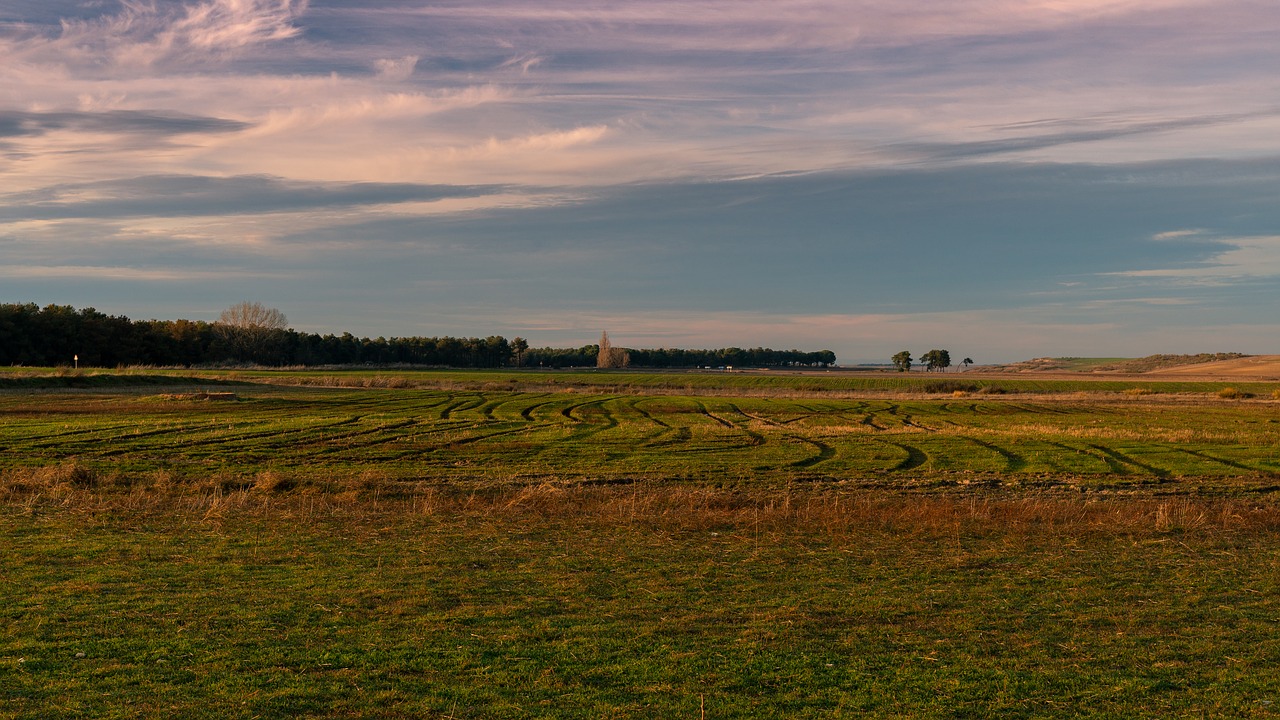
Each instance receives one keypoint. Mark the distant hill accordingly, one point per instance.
(1191, 364)
(1255, 367)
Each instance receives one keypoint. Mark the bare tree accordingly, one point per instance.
(604, 358)
(248, 328)
(610, 356)
(253, 315)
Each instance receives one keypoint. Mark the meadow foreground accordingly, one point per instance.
(413, 552)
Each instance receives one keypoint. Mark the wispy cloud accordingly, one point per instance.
(985, 335)
(142, 34)
(19, 124)
(1178, 234)
(119, 273)
(774, 166)
(396, 69)
(175, 196)
(1089, 132)
(715, 89)
(1245, 258)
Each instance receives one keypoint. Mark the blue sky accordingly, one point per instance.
(1005, 179)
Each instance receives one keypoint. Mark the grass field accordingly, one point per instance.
(497, 548)
(316, 436)
(775, 383)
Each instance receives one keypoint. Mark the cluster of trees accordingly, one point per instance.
(933, 360)
(753, 357)
(250, 333)
(246, 333)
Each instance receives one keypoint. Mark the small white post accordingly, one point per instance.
(77, 359)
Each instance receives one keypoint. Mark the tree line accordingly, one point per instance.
(249, 334)
(933, 360)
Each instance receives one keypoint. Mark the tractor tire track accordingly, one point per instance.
(757, 418)
(825, 452)
(487, 436)
(584, 428)
(62, 435)
(526, 413)
(756, 438)
(915, 457)
(870, 421)
(679, 435)
(637, 406)
(1059, 466)
(702, 410)
(567, 411)
(325, 444)
(1013, 461)
(470, 403)
(909, 421)
(1221, 461)
(1121, 460)
(240, 439)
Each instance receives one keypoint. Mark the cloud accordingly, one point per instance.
(222, 24)
(822, 159)
(1121, 303)
(142, 34)
(396, 69)
(717, 89)
(1246, 258)
(761, 25)
(187, 195)
(550, 157)
(524, 62)
(25, 124)
(1178, 234)
(988, 336)
(1112, 130)
(543, 142)
(336, 106)
(132, 274)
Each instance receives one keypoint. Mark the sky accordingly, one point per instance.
(1004, 179)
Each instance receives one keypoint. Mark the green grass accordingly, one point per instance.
(324, 437)
(776, 382)
(624, 603)
(773, 383)
(72, 380)
(498, 548)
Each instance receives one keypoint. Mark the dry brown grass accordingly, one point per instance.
(827, 511)
(214, 396)
(376, 381)
(59, 478)
(837, 513)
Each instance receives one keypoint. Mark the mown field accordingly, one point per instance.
(768, 383)
(314, 436)
(499, 548)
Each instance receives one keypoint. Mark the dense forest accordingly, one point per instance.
(58, 334)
